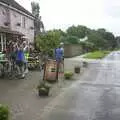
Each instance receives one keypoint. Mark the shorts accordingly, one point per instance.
(19, 63)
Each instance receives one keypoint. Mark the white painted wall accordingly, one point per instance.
(15, 17)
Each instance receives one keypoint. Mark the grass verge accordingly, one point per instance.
(96, 54)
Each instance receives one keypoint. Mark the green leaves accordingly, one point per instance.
(97, 39)
(4, 112)
(49, 41)
(35, 9)
(78, 31)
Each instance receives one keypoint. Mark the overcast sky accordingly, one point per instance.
(91, 13)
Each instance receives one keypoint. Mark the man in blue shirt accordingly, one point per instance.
(20, 58)
(59, 56)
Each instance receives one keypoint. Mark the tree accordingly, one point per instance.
(49, 41)
(98, 41)
(111, 42)
(35, 9)
(39, 26)
(70, 40)
(79, 31)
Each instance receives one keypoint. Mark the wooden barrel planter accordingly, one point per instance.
(77, 69)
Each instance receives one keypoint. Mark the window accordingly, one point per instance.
(2, 42)
(15, 15)
(23, 21)
(4, 11)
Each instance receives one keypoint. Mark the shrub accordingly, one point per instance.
(43, 85)
(43, 89)
(68, 75)
(4, 112)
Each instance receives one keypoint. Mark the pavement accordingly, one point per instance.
(95, 96)
(22, 97)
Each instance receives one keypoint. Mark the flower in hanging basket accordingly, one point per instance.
(6, 23)
(18, 24)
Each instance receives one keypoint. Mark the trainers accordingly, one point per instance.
(23, 76)
(26, 71)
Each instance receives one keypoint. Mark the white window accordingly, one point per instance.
(23, 21)
(2, 42)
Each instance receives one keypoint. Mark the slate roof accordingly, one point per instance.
(14, 4)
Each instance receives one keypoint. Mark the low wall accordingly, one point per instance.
(72, 50)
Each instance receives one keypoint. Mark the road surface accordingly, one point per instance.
(96, 96)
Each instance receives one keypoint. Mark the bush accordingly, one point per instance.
(4, 112)
(43, 85)
(68, 75)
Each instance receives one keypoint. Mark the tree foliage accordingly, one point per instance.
(48, 41)
(97, 39)
(35, 9)
(78, 31)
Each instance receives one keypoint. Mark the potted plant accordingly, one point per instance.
(85, 64)
(43, 89)
(4, 112)
(77, 69)
(68, 75)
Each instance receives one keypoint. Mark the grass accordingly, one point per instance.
(97, 54)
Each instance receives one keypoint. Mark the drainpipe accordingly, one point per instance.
(1, 42)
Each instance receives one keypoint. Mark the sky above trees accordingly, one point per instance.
(91, 13)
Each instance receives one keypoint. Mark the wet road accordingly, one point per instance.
(96, 96)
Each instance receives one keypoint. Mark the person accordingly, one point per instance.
(20, 58)
(26, 53)
(59, 56)
(62, 48)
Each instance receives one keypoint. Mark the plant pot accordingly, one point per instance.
(67, 77)
(85, 64)
(77, 70)
(43, 92)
